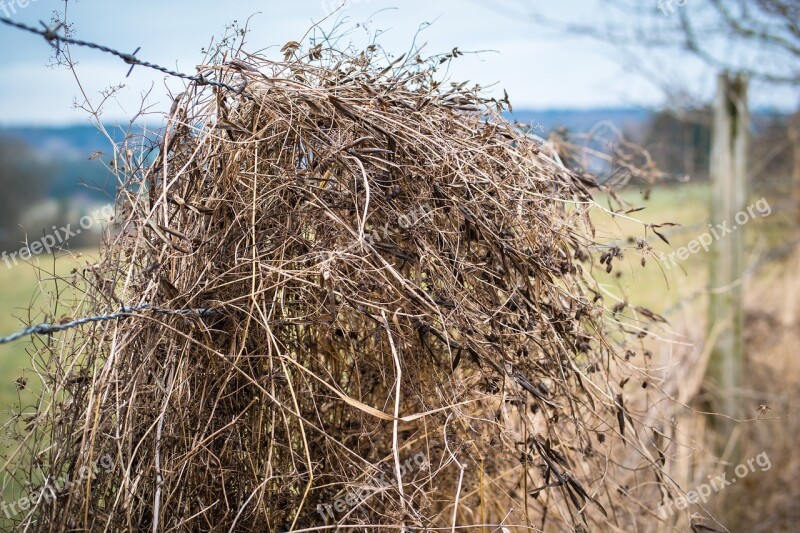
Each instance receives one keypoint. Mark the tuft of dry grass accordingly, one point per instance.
(396, 273)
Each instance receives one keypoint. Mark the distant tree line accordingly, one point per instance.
(41, 189)
(23, 178)
(680, 142)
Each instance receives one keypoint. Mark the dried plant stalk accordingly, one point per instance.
(405, 333)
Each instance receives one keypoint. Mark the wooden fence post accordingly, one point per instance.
(728, 196)
(794, 138)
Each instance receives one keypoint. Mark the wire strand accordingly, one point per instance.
(125, 312)
(52, 36)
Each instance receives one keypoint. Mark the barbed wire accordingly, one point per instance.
(52, 36)
(125, 312)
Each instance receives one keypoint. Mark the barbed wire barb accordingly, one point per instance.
(52, 36)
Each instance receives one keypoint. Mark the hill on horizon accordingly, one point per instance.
(68, 147)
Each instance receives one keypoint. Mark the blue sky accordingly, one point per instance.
(539, 70)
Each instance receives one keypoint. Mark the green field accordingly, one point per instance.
(26, 297)
(27, 293)
(662, 287)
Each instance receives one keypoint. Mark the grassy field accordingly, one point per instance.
(652, 285)
(663, 287)
(25, 296)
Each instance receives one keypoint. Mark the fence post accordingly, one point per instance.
(794, 138)
(726, 315)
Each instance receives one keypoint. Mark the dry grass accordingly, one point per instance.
(766, 500)
(395, 272)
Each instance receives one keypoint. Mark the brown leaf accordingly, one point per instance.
(660, 236)
(620, 413)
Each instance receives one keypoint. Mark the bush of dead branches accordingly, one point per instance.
(402, 328)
